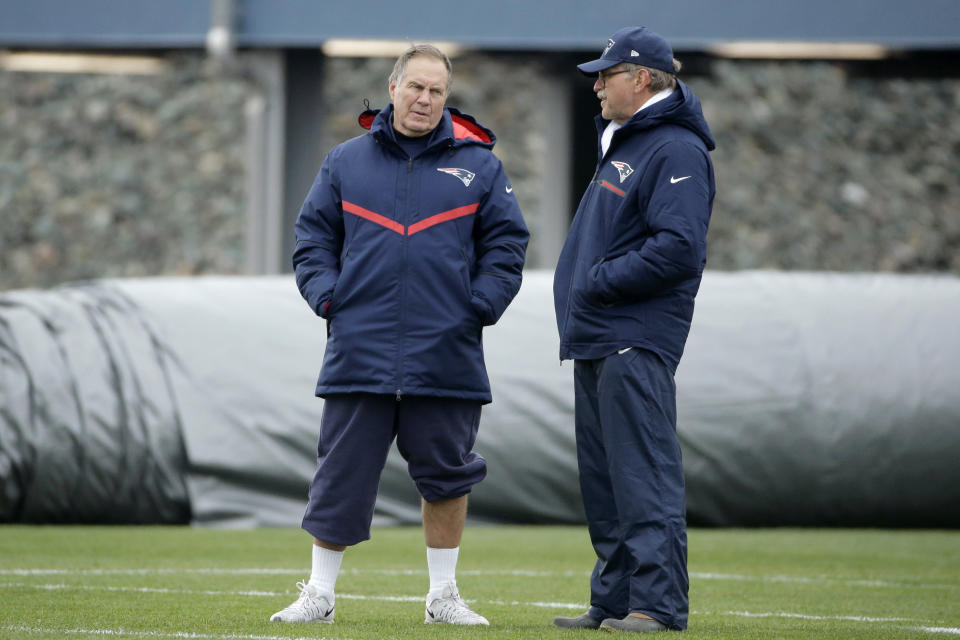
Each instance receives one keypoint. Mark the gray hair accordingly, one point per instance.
(400, 68)
(659, 80)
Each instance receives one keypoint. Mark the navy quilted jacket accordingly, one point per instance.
(635, 253)
(409, 258)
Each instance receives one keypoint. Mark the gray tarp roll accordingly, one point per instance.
(89, 430)
(803, 399)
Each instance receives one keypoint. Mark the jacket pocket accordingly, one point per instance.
(339, 289)
(468, 286)
(465, 273)
(586, 290)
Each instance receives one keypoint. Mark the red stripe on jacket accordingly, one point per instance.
(604, 183)
(383, 221)
(452, 214)
(426, 223)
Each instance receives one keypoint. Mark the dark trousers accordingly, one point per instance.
(434, 435)
(631, 478)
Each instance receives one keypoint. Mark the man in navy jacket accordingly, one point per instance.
(624, 290)
(408, 244)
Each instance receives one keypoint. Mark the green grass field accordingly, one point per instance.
(181, 582)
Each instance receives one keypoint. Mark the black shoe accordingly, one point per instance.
(583, 621)
(632, 623)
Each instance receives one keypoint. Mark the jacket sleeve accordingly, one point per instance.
(680, 179)
(501, 237)
(319, 233)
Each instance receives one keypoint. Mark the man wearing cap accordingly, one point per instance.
(624, 292)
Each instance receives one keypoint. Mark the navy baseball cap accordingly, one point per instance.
(638, 45)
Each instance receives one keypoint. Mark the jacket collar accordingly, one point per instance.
(682, 107)
(455, 128)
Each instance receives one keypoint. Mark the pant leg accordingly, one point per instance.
(609, 582)
(637, 403)
(436, 437)
(356, 432)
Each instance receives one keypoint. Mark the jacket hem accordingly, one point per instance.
(599, 350)
(483, 397)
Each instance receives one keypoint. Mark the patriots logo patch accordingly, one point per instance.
(610, 43)
(622, 168)
(466, 177)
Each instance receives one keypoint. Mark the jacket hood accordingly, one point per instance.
(681, 108)
(455, 126)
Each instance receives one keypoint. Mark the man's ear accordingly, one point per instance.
(642, 79)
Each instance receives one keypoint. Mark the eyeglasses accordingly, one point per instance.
(602, 77)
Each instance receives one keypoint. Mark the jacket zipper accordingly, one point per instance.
(573, 273)
(403, 290)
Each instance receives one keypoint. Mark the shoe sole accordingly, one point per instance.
(616, 630)
(302, 621)
(576, 626)
(429, 620)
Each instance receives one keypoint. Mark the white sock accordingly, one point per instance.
(326, 567)
(442, 565)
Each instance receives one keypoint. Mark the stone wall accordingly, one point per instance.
(121, 175)
(144, 175)
(820, 170)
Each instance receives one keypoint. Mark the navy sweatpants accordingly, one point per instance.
(434, 435)
(631, 478)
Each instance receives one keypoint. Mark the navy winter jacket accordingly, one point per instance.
(409, 258)
(635, 253)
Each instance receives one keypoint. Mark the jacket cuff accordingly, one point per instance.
(323, 306)
(483, 310)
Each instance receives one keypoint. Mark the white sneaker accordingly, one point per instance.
(311, 606)
(449, 608)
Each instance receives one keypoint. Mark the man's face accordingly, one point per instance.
(419, 96)
(616, 88)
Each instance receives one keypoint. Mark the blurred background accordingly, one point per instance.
(178, 139)
(142, 138)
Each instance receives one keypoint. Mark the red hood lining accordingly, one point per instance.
(464, 129)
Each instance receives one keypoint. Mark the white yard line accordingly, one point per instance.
(733, 577)
(418, 599)
(883, 584)
(121, 633)
(807, 616)
(187, 635)
(272, 594)
(294, 572)
(418, 572)
(579, 606)
(148, 572)
(86, 587)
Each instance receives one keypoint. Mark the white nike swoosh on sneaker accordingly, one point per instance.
(623, 351)
(676, 180)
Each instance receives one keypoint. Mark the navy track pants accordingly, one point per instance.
(631, 478)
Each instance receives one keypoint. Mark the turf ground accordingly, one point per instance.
(180, 582)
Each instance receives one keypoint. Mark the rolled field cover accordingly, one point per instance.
(807, 399)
